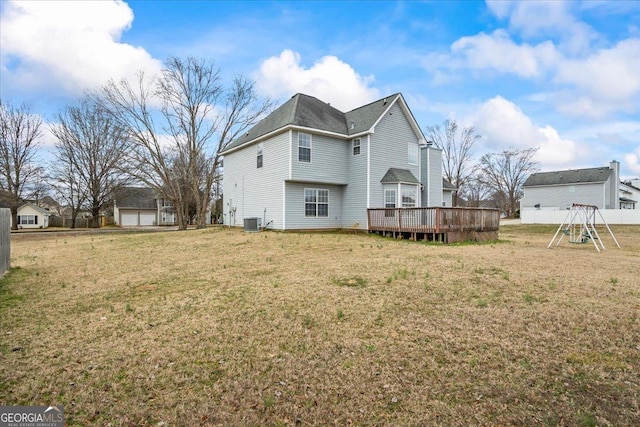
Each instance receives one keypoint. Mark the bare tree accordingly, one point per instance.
(476, 191)
(67, 184)
(92, 146)
(20, 131)
(505, 173)
(199, 117)
(456, 153)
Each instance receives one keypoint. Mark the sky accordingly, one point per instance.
(560, 76)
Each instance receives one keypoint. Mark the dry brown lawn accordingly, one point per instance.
(219, 327)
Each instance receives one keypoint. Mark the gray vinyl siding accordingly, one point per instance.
(354, 202)
(250, 189)
(296, 219)
(563, 196)
(328, 160)
(431, 176)
(389, 149)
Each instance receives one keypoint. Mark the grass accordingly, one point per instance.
(219, 327)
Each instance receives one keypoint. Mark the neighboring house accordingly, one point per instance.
(308, 165)
(630, 194)
(32, 216)
(50, 204)
(135, 206)
(447, 193)
(558, 190)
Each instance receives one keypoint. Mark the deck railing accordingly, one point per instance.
(433, 220)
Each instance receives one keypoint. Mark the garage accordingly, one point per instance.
(135, 218)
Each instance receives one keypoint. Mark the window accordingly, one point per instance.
(166, 203)
(390, 198)
(408, 198)
(28, 219)
(356, 146)
(413, 153)
(259, 157)
(304, 147)
(390, 202)
(316, 202)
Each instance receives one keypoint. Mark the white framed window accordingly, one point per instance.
(28, 219)
(316, 202)
(356, 146)
(390, 198)
(166, 203)
(304, 147)
(408, 197)
(259, 156)
(390, 202)
(413, 153)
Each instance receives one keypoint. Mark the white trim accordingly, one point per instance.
(368, 174)
(290, 153)
(284, 205)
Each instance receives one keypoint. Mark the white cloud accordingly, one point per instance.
(545, 18)
(496, 51)
(69, 46)
(329, 79)
(502, 124)
(632, 162)
(608, 79)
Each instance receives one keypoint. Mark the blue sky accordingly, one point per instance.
(561, 76)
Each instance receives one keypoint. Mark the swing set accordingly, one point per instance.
(580, 227)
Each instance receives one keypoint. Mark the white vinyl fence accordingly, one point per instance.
(548, 216)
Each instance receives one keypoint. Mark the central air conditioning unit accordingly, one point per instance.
(252, 225)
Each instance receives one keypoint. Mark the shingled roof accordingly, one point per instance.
(572, 176)
(394, 175)
(310, 112)
(136, 197)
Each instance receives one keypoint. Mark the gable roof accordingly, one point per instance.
(36, 208)
(136, 197)
(572, 176)
(306, 111)
(394, 176)
(446, 185)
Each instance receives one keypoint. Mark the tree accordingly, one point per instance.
(505, 173)
(476, 191)
(199, 117)
(92, 148)
(20, 176)
(67, 183)
(456, 153)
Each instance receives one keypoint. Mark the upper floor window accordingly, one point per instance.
(259, 156)
(304, 147)
(413, 153)
(356, 146)
(167, 203)
(316, 202)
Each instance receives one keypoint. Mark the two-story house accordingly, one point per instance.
(559, 190)
(308, 165)
(142, 206)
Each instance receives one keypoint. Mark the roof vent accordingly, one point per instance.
(384, 102)
(353, 125)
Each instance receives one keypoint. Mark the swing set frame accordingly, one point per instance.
(580, 227)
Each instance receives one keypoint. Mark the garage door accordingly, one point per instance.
(129, 218)
(147, 218)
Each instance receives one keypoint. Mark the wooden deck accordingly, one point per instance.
(436, 224)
